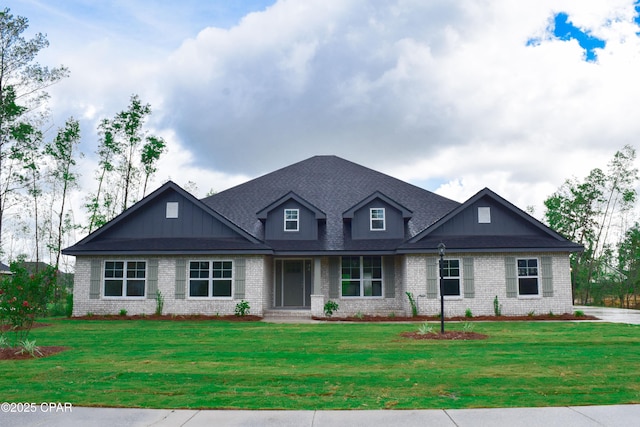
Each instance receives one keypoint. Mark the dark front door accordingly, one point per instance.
(293, 283)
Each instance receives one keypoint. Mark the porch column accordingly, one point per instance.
(317, 299)
(316, 287)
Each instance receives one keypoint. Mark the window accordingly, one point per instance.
(528, 276)
(376, 217)
(124, 278)
(210, 279)
(451, 277)
(291, 219)
(484, 215)
(362, 276)
(172, 210)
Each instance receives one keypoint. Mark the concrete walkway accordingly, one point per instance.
(574, 416)
(610, 314)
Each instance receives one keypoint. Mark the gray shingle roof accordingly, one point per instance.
(333, 185)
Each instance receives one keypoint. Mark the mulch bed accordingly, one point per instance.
(450, 335)
(14, 353)
(367, 318)
(176, 317)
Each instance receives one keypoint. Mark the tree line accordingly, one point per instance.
(599, 213)
(38, 171)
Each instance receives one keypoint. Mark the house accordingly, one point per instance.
(318, 230)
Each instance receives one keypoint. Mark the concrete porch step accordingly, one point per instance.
(288, 313)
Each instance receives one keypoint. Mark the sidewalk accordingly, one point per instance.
(574, 416)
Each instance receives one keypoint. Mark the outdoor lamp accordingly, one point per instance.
(441, 249)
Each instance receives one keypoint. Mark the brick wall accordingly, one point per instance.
(410, 275)
(254, 290)
(489, 282)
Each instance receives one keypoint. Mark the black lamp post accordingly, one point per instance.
(441, 248)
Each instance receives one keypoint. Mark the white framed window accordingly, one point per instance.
(484, 215)
(291, 220)
(361, 276)
(172, 209)
(528, 281)
(377, 219)
(451, 278)
(210, 279)
(125, 279)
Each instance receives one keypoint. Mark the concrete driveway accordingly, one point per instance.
(613, 315)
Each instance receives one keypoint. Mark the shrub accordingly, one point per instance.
(531, 313)
(242, 308)
(468, 314)
(425, 328)
(468, 327)
(30, 348)
(23, 296)
(579, 313)
(414, 306)
(330, 307)
(497, 307)
(359, 315)
(123, 312)
(69, 306)
(159, 302)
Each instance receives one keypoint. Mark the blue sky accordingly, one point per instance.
(450, 95)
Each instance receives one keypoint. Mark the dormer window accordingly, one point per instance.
(291, 220)
(376, 219)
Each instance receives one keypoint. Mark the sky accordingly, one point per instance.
(449, 95)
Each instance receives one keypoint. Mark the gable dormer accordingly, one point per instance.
(377, 217)
(291, 218)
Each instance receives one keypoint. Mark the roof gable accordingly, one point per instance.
(263, 213)
(406, 213)
(506, 226)
(148, 221)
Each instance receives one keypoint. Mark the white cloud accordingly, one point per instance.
(440, 92)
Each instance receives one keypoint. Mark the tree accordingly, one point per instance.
(123, 162)
(22, 96)
(62, 152)
(629, 261)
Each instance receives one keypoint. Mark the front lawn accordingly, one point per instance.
(255, 365)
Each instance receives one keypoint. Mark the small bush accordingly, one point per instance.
(242, 308)
(69, 306)
(123, 312)
(30, 348)
(468, 314)
(468, 327)
(359, 315)
(392, 315)
(425, 329)
(531, 313)
(159, 302)
(330, 307)
(414, 306)
(497, 307)
(579, 313)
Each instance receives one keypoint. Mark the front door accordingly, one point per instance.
(293, 283)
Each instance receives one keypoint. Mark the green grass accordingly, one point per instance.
(216, 364)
